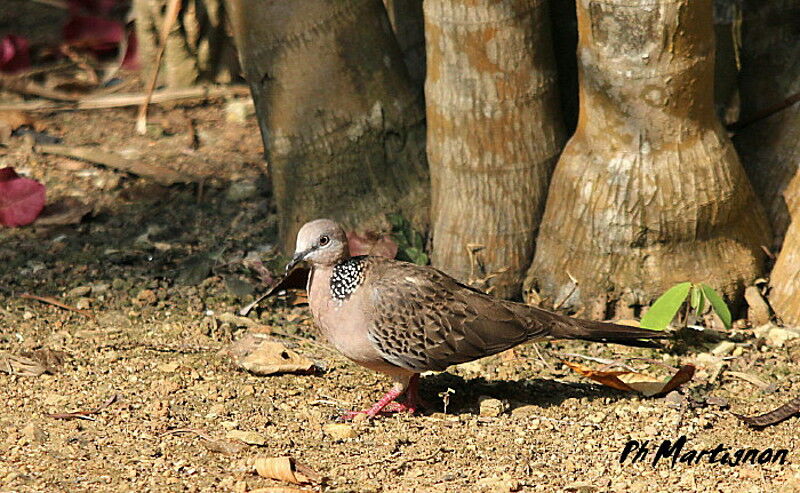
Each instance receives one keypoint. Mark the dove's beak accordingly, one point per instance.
(296, 259)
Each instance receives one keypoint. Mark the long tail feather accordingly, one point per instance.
(589, 330)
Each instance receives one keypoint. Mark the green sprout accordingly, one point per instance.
(692, 297)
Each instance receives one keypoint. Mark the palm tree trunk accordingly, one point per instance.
(785, 279)
(198, 47)
(341, 122)
(409, 28)
(649, 191)
(770, 147)
(494, 133)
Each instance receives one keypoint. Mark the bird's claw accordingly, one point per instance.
(391, 408)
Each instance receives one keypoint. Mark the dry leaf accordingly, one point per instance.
(749, 378)
(62, 212)
(607, 378)
(635, 382)
(773, 417)
(51, 359)
(286, 469)
(19, 365)
(262, 356)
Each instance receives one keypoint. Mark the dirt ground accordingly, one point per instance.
(156, 269)
(159, 267)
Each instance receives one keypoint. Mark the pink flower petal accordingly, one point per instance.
(97, 34)
(14, 54)
(21, 199)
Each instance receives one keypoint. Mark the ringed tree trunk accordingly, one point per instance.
(770, 147)
(341, 123)
(785, 279)
(409, 28)
(199, 47)
(494, 133)
(649, 191)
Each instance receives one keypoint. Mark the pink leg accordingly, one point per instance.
(387, 403)
(413, 401)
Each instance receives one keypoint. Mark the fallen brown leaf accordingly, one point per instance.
(63, 212)
(286, 469)
(773, 417)
(50, 359)
(20, 365)
(607, 378)
(262, 356)
(747, 377)
(634, 381)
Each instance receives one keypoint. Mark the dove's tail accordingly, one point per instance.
(589, 330)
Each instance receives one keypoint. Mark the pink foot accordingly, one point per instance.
(388, 405)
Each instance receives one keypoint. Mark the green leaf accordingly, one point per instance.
(701, 305)
(396, 220)
(416, 241)
(696, 294)
(698, 300)
(666, 306)
(402, 243)
(718, 304)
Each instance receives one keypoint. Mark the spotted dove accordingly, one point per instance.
(402, 319)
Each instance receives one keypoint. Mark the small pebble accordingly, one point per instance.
(340, 431)
(79, 291)
(83, 303)
(491, 407)
(248, 437)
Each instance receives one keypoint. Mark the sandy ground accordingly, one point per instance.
(156, 338)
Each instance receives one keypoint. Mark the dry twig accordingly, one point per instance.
(87, 415)
(173, 8)
(160, 174)
(55, 302)
(131, 99)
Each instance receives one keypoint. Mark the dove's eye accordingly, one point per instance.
(324, 240)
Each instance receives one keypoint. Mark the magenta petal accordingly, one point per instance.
(94, 33)
(21, 199)
(7, 174)
(14, 54)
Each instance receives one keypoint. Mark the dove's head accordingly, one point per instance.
(321, 242)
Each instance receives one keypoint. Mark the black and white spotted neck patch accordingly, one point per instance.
(347, 277)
